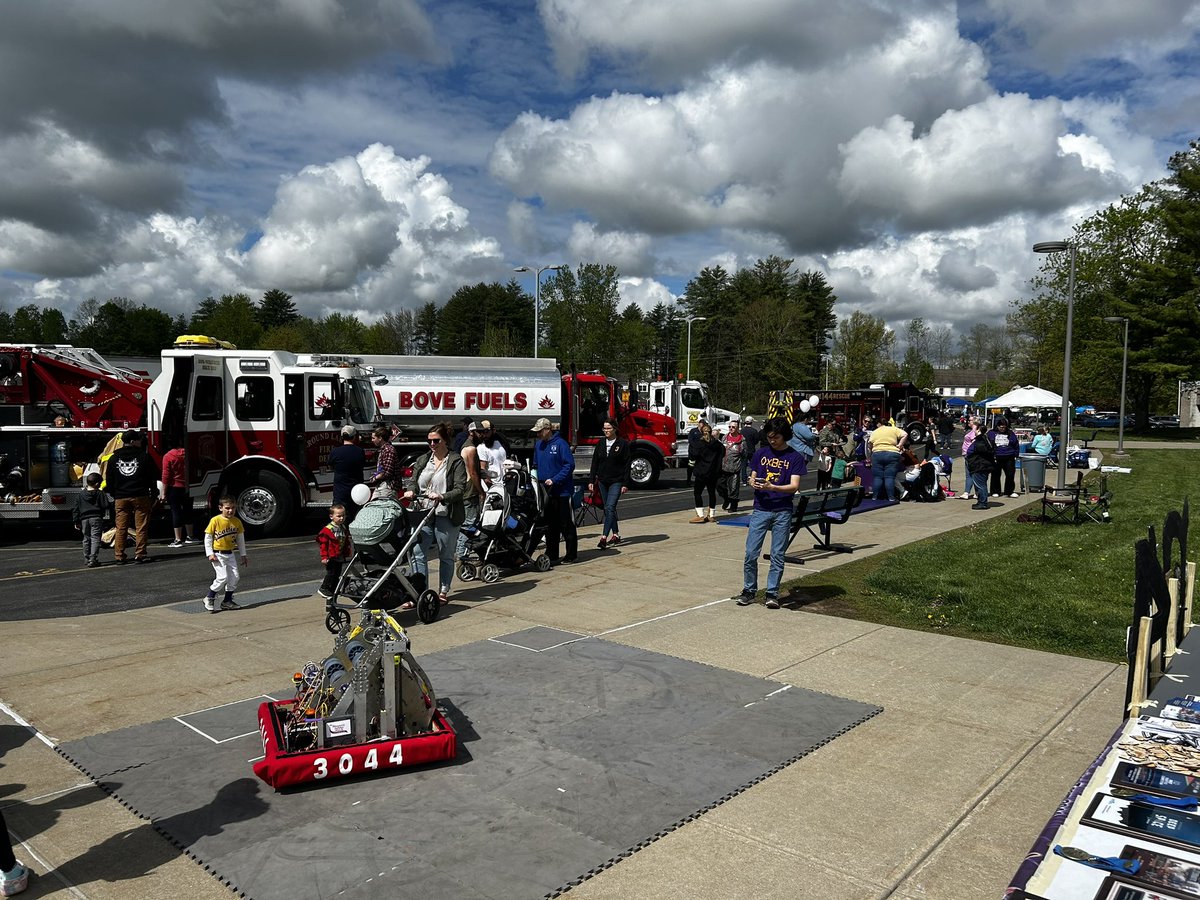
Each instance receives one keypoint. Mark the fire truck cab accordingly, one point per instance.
(257, 425)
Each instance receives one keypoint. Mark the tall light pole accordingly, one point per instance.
(537, 297)
(690, 320)
(1124, 368)
(1064, 431)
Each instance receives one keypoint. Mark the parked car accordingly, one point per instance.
(1099, 420)
(1164, 421)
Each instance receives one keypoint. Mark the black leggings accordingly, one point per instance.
(709, 483)
(7, 861)
(1006, 466)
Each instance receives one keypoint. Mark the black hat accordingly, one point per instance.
(128, 437)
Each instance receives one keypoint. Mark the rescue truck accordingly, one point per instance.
(417, 392)
(913, 409)
(256, 424)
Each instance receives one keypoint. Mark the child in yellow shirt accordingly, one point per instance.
(224, 542)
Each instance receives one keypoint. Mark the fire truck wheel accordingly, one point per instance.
(490, 573)
(643, 469)
(264, 502)
(916, 433)
(428, 605)
(543, 563)
(467, 572)
(336, 620)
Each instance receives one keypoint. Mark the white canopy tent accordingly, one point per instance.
(1028, 397)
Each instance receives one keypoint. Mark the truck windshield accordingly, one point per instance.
(692, 398)
(360, 401)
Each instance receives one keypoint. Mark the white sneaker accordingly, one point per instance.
(210, 603)
(995, 495)
(1014, 495)
(175, 544)
(15, 881)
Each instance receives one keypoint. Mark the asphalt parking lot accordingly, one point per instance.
(42, 573)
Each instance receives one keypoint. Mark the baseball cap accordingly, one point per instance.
(540, 424)
(472, 427)
(749, 419)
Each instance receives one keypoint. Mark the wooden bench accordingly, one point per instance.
(822, 510)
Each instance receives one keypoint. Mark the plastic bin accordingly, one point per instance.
(1034, 467)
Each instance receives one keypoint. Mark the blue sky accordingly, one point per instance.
(365, 155)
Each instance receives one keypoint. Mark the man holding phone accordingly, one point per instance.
(775, 472)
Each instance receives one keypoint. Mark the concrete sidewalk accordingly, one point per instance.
(938, 797)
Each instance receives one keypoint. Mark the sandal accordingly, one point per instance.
(443, 598)
(406, 606)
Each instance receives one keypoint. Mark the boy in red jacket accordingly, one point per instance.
(336, 548)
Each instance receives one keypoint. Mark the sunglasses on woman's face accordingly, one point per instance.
(435, 440)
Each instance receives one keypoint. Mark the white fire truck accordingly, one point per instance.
(685, 402)
(417, 392)
(256, 424)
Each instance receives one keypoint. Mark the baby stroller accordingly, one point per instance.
(380, 574)
(509, 531)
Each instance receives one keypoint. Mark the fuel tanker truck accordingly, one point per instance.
(417, 392)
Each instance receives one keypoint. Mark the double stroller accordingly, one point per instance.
(381, 573)
(511, 526)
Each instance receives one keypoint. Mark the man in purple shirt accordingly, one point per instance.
(775, 474)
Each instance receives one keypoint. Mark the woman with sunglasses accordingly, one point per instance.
(439, 478)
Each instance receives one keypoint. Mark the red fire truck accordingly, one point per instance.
(257, 424)
(902, 400)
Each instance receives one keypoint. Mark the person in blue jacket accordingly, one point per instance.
(556, 471)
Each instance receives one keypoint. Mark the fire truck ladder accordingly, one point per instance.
(83, 358)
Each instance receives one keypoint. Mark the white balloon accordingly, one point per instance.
(814, 401)
(360, 494)
(804, 406)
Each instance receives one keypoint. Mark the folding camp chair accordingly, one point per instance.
(1062, 505)
(1093, 505)
(591, 506)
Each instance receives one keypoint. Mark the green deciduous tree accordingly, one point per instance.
(1138, 259)
(392, 334)
(861, 353)
(579, 310)
(337, 333)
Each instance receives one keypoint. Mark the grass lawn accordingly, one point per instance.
(1060, 588)
(1154, 434)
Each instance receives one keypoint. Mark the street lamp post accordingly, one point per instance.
(1124, 368)
(1064, 434)
(537, 297)
(690, 320)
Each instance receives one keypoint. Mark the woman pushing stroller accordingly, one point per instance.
(439, 478)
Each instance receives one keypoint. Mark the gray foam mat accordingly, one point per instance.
(570, 758)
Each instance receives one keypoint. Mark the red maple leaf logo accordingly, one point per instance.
(546, 403)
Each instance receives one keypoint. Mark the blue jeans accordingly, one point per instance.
(978, 481)
(611, 494)
(472, 507)
(445, 535)
(761, 521)
(884, 466)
